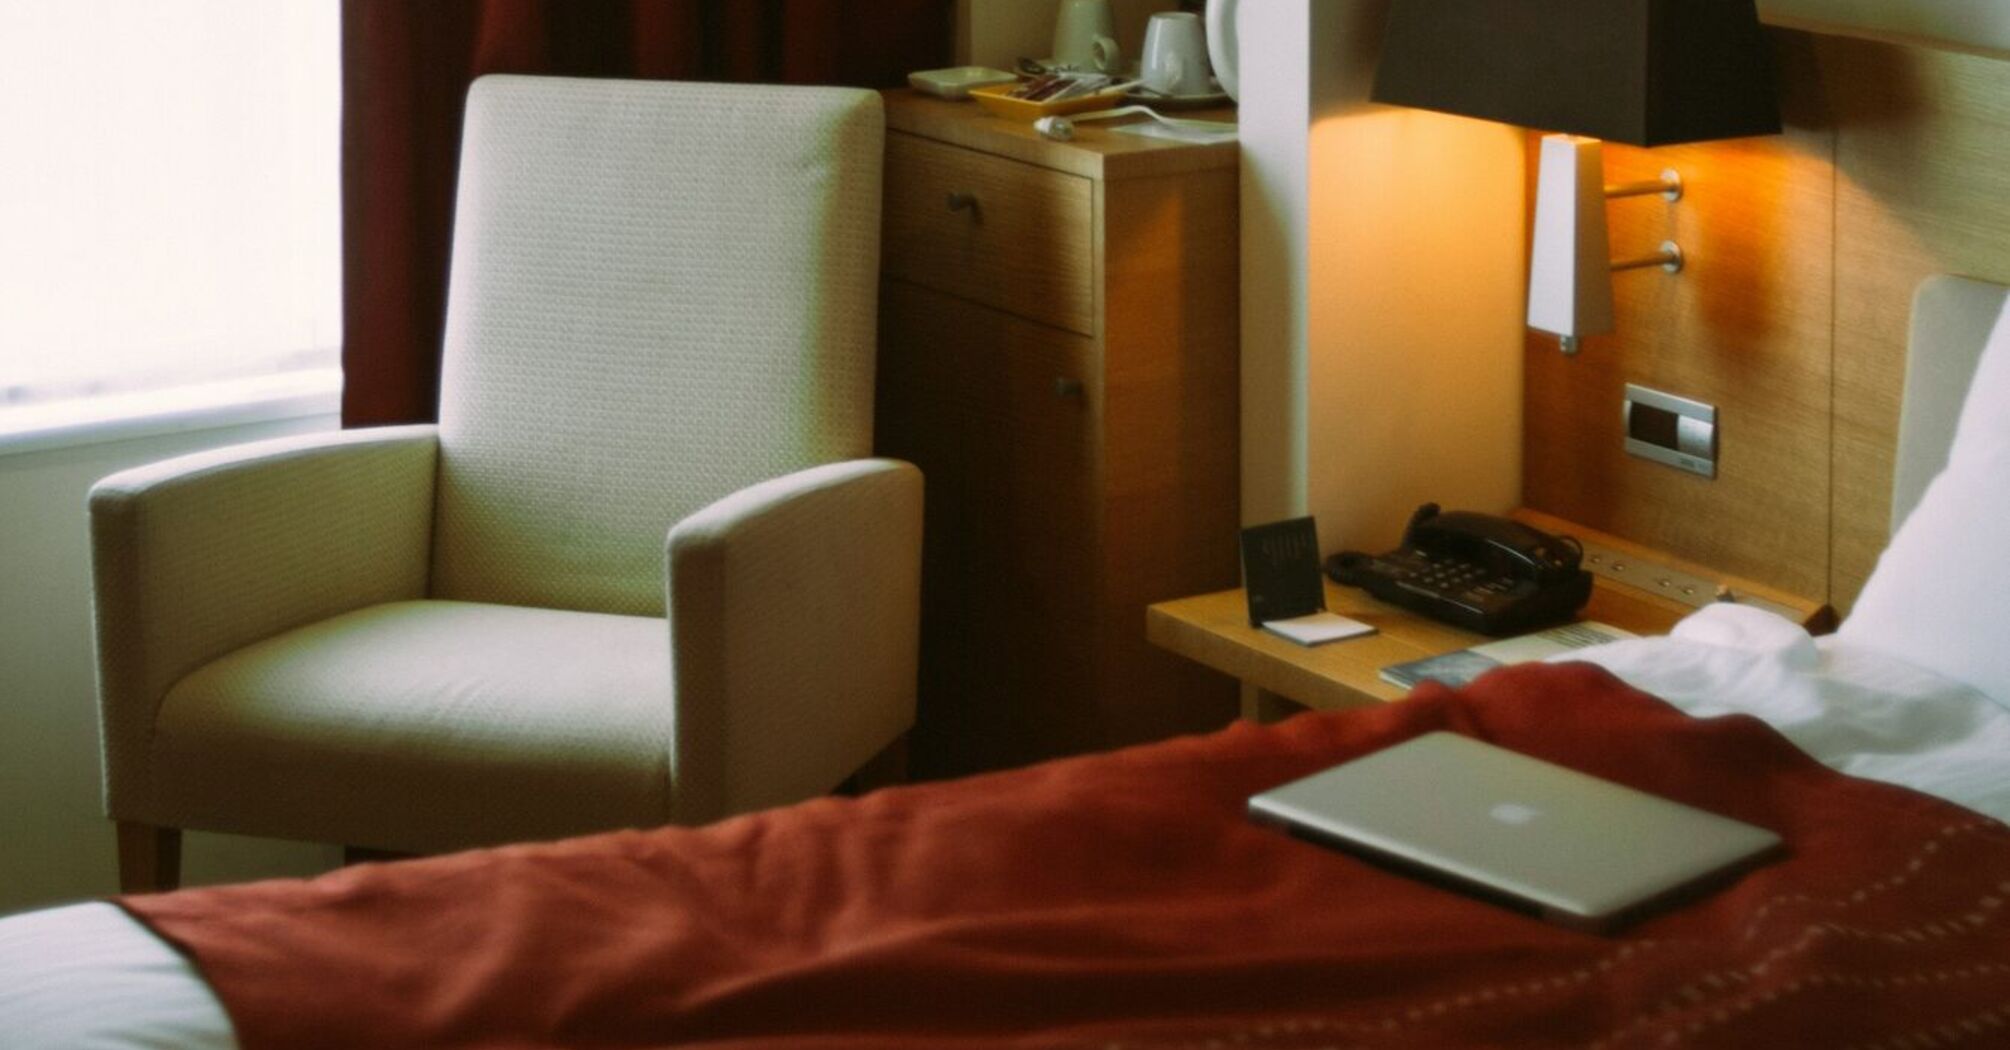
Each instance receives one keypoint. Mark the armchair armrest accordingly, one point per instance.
(794, 619)
(196, 556)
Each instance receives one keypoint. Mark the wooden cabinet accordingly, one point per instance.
(1058, 353)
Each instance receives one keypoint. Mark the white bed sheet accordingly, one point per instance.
(1849, 706)
(88, 976)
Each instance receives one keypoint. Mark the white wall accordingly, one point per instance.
(1383, 268)
(1417, 265)
(55, 844)
(1276, 118)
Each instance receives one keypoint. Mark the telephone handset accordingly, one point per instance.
(1475, 571)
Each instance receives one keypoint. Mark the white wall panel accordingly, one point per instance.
(55, 843)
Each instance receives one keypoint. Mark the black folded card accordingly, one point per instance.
(1280, 570)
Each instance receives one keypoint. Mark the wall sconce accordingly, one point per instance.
(1642, 72)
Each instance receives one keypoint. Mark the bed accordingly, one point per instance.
(1121, 900)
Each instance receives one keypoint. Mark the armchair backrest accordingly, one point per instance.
(661, 293)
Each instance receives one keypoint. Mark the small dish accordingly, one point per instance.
(997, 99)
(1217, 97)
(956, 81)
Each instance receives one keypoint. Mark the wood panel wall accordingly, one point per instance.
(1803, 252)
(1923, 187)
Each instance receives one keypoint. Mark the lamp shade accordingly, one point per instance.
(1569, 283)
(1642, 72)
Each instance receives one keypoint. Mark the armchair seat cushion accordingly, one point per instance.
(423, 726)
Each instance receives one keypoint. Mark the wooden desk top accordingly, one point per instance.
(1633, 588)
(1098, 151)
(1214, 630)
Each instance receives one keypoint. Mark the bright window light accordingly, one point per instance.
(168, 194)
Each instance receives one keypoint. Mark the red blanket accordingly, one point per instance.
(1123, 900)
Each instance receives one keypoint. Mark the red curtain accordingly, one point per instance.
(406, 65)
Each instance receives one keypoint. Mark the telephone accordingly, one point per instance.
(1475, 571)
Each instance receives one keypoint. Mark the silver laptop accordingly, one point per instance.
(1516, 830)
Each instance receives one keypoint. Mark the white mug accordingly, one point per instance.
(1175, 61)
(1085, 36)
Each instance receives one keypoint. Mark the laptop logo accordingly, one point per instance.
(1515, 813)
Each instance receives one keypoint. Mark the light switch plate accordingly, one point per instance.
(1674, 430)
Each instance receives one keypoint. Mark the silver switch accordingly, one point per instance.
(1674, 430)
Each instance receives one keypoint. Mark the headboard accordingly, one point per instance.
(1951, 321)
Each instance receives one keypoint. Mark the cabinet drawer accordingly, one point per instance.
(991, 230)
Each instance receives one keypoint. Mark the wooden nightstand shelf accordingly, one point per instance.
(1279, 676)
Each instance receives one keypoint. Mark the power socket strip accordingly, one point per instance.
(1685, 587)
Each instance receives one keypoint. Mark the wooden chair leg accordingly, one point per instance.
(149, 858)
(885, 769)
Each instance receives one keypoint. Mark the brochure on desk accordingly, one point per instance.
(1458, 668)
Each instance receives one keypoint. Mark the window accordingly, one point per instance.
(168, 194)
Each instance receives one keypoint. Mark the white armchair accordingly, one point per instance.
(638, 572)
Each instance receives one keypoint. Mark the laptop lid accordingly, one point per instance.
(1565, 845)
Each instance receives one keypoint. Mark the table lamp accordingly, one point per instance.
(1642, 72)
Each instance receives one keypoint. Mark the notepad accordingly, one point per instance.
(1317, 628)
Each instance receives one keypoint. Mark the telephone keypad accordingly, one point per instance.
(1449, 581)
(1455, 576)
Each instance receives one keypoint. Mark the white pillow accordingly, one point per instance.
(1940, 597)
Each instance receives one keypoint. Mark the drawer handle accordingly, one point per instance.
(1065, 387)
(959, 201)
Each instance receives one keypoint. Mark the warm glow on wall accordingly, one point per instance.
(1644, 72)
(1414, 291)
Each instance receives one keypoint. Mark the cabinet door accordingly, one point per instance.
(1000, 415)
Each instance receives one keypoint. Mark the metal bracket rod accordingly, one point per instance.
(1669, 186)
(1669, 258)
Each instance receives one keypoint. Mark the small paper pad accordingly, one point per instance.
(1317, 628)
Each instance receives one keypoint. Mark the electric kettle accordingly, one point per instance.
(1221, 43)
